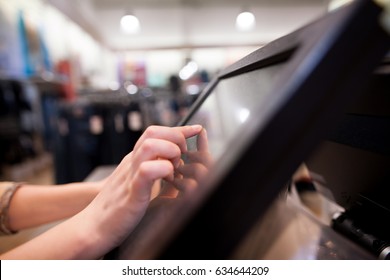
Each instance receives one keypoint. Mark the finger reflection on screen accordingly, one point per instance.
(195, 164)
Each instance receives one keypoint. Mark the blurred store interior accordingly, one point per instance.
(77, 88)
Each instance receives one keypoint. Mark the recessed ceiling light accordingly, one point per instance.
(245, 21)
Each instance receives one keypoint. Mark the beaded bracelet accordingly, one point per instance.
(5, 201)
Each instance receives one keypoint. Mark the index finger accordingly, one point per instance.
(175, 135)
(189, 130)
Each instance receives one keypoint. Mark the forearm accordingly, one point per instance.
(113, 213)
(72, 239)
(36, 205)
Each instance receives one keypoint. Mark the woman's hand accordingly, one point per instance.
(117, 208)
(126, 194)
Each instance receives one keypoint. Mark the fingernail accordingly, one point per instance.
(196, 126)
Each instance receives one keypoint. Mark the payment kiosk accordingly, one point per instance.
(262, 117)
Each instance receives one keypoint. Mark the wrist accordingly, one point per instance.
(98, 186)
(88, 239)
(6, 227)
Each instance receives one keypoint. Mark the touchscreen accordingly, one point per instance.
(226, 109)
(230, 105)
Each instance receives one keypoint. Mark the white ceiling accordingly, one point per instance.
(176, 24)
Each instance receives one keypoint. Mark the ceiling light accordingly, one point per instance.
(188, 70)
(245, 21)
(130, 24)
